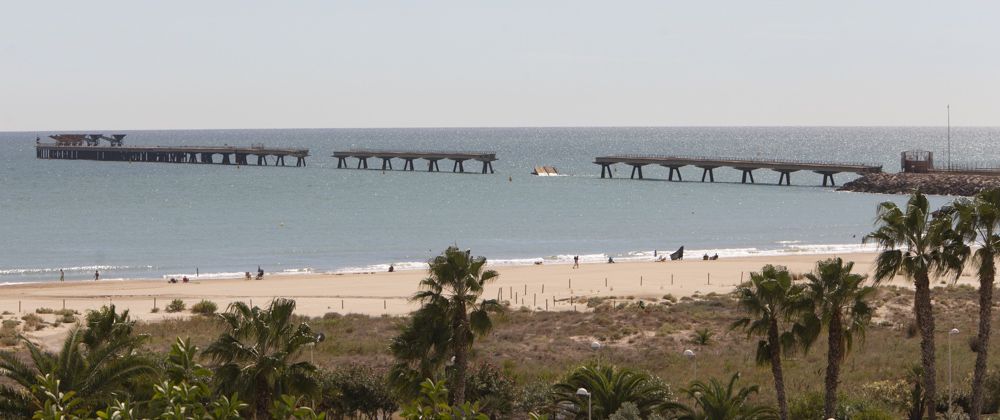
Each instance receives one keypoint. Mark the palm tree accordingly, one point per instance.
(715, 401)
(609, 388)
(917, 244)
(256, 356)
(450, 318)
(96, 361)
(771, 299)
(840, 300)
(978, 221)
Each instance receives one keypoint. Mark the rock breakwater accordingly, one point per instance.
(930, 183)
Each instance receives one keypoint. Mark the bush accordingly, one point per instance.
(494, 390)
(357, 391)
(44, 311)
(810, 406)
(155, 310)
(176, 305)
(33, 322)
(205, 307)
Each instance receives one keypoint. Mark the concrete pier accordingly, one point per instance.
(747, 166)
(69, 146)
(408, 158)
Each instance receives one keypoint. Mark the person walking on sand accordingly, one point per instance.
(62, 276)
(576, 261)
(97, 275)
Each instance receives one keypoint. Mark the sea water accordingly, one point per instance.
(151, 220)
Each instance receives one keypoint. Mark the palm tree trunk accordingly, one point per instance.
(925, 321)
(986, 276)
(461, 351)
(779, 379)
(834, 355)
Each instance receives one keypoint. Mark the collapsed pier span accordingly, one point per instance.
(67, 147)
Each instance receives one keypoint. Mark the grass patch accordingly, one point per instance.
(176, 305)
(205, 307)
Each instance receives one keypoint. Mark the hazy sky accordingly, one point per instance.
(260, 64)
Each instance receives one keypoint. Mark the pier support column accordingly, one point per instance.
(828, 176)
(362, 163)
(300, 161)
(341, 162)
(262, 160)
(785, 178)
(708, 171)
(225, 159)
(432, 165)
(459, 166)
(408, 164)
(747, 172)
(636, 169)
(386, 161)
(606, 167)
(674, 169)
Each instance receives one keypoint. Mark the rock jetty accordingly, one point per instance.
(928, 183)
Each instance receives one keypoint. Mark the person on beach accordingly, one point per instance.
(260, 273)
(654, 253)
(172, 280)
(576, 261)
(391, 268)
(611, 260)
(248, 275)
(184, 279)
(62, 276)
(97, 275)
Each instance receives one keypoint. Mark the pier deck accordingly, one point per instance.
(432, 158)
(747, 166)
(229, 155)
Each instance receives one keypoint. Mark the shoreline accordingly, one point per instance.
(537, 287)
(787, 248)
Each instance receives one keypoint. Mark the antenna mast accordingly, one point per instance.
(949, 136)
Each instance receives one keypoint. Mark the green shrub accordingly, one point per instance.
(155, 310)
(357, 391)
(66, 318)
(64, 312)
(205, 307)
(44, 311)
(33, 322)
(176, 305)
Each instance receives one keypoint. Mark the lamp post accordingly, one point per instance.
(690, 355)
(596, 347)
(950, 333)
(583, 392)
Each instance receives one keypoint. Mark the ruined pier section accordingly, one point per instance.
(90, 147)
(747, 166)
(409, 158)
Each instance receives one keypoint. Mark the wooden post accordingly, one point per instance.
(546, 304)
(18, 306)
(640, 281)
(525, 288)
(671, 279)
(515, 297)
(741, 277)
(500, 294)
(709, 278)
(64, 304)
(341, 304)
(154, 303)
(543, 288)
(605, 282)
(385, 305)
(569, 283)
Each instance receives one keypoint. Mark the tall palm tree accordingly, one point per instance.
(257, 356)
(772, 300)
(451, 315)
(840, 300)
(917, 243)
(978, 221)
(715, 401)
(609, 388)
(96, 361)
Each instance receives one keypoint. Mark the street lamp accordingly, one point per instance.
(596, 347)
(690, 355)
(950, 333)
(583, 392)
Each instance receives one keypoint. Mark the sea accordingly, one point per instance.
(158, 220)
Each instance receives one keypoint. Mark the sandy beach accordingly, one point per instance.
(541, 287)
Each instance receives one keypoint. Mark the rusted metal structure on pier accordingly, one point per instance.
(747, 166)
(408, 158)
(88, 147)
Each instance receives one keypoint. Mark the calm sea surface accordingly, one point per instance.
(149, 220)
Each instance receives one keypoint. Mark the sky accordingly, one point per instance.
(183, 64)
